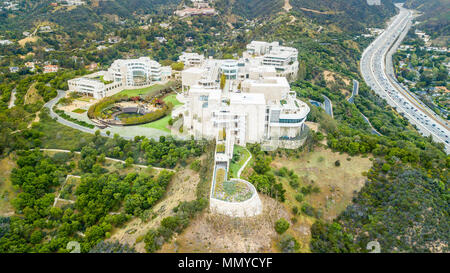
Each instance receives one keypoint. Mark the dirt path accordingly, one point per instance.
(321, 12)
(109, 158)
(287, 6)
(13, 99)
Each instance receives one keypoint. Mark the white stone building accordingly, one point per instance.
(261, 60)
(263, 111)
(93, 86)
(191, 59)
(134, 72)
(284, 59)
(122, 74)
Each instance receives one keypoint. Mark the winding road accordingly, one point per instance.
(128, 133)
(377, 70)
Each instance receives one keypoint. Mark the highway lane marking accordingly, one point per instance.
(371, 64)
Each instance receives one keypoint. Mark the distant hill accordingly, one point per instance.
(82, 18)
(255, 8)
(125, 8)
(249, 9)
(436, 15)
(348, 14)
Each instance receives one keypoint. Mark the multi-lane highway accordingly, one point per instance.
(377, 71)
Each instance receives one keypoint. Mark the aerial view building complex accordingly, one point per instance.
(129, 74)
(255, 104)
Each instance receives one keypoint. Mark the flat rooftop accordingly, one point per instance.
(247, 98)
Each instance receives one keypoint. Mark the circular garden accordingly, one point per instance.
(126, 111)
(232, 190)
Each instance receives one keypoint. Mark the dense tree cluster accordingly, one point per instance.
(41, 227)
(404, 209)
(262, 178)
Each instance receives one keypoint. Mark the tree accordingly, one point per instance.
(281, 225)
(223, 80)
(262, 164)
(179, 66)
(129, 161)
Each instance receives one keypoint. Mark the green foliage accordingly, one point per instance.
(435, 15)
(179, 66)
(196, 165)
(385, 210)
(281, 225)
(349, 15)
(65, 116)
(288, 244)
(97, 195)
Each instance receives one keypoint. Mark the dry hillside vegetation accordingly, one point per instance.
(181, 188)
(219, 233)
(337, 185)
(7, 192)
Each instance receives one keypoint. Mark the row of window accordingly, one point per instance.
(282, 120)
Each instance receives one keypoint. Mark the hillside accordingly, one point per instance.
(436, 15)
(348, 14)
(90, 17)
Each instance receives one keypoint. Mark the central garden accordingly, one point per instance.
(125, 111)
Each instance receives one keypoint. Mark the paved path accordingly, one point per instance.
(328, 106)
(355, 91)
(127, 132)
(245, 164)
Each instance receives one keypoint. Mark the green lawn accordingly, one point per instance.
(86, 99)
(160, 124)
(79, 111)
(151, 90)
(243, 156)
(173, 99)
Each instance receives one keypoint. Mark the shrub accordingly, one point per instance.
(337, 163)
(69, 118)
(308, 210)
(281, 226)
(288, 244)
(196, 165)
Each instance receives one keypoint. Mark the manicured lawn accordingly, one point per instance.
(173, 99)
(79, 111)
(151, 90)
(243, 156)
(86, 99)
(160, 124)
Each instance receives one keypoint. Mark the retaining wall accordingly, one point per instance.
(248, 208)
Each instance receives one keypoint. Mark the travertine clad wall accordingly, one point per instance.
(247, 208)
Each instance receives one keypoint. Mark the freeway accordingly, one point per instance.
(377, 71)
